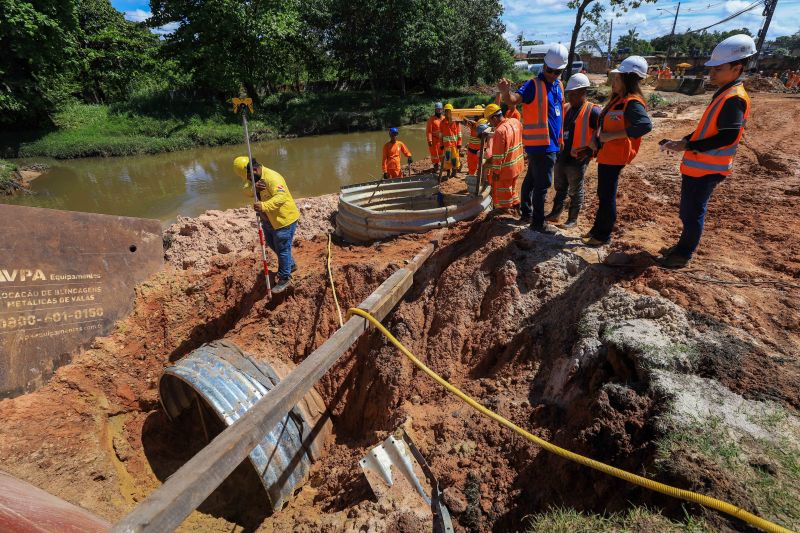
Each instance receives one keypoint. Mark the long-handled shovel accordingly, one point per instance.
(241, 106)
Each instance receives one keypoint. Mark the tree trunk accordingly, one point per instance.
(402, 84)
(575, 31)
(252, 93)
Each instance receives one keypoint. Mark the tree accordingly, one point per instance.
(532, 43)
(631, 44)
(39, 60)
(592, 11)
(597, 34)
(693, 44)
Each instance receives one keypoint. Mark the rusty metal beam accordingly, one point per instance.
(184, 491)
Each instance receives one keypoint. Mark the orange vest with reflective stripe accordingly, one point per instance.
(619, 151)
(535, 121)
(507, 158)
(474, 143)
(583, 128)
(451, 133)
(720, 160)
(432, 132)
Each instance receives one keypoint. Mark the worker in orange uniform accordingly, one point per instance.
(451, 142)
(392, 167)
(434, 136)
(474, 142)
(709, 151)
(507, 158)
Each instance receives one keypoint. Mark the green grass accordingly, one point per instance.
(7, 176)
(147, 126)
(634, 520)
(767, 470)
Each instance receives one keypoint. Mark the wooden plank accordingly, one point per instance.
(184, 491)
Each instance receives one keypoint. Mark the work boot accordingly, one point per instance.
(547, 229)
(436, 167)
(593, 242)
(666, 250)
(572, 218)
(281, 284)
(554, 213)
(674, 260)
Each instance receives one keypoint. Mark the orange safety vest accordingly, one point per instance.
(451, 133)
(507, 152)
(535, 121)
(474, 143)
(720, 160)
(619, 151)
(583, 128)
(513, 112)
(432, 131)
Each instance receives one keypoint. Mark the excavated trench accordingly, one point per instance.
(502, 315)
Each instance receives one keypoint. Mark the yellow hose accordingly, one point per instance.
(706, 501)
(333, 287)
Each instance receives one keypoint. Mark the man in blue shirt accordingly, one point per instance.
(541, 132)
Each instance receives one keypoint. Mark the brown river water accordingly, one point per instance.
(190, 182)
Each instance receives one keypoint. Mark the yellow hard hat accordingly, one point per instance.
(449, 106)
(240, 166)
(490, 110)
(482, 121)
(479, 106)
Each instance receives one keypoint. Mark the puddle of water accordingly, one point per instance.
(190, 182)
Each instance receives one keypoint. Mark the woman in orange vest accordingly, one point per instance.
(392, 167)
(709, 151)
(434, 135)
(507, 161)
(623, 123)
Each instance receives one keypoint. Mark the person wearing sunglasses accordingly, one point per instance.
(542, 100)
(623, 123)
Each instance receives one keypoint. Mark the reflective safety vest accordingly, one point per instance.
(432, 132)
(619, 151)
(451, 133)
(720, 160)
(507, 158)
(535, 120)
(583, 128)
(474, 143)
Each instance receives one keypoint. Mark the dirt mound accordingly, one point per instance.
(193, 242)
(757, 83)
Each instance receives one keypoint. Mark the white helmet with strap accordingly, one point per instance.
(634, 64)
(733, 48)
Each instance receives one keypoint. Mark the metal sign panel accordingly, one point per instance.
(65, 278)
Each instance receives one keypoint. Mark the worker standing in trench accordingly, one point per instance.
(542, 100)
(506, 160)
(392, 165)
(278, 214)
(474, 142)
(433, 134)
(709, 151)
(623, 123)
(581, 119)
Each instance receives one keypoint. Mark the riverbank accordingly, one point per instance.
(155, 126)
(14, 179)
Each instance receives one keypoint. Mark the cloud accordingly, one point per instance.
(137, 15)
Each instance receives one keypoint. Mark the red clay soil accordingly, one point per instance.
(492, 311)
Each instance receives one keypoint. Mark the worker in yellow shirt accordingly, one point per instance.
(278, 214)
(392, 166)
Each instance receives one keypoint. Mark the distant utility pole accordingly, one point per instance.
(608, 54)
(769, 10)
(672, 33)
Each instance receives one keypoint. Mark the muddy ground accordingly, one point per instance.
(691, 377)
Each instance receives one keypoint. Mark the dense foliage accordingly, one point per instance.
(58, 52)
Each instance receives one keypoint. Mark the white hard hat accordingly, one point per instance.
(557, 56)
(733, 48)
(635, 64)
(578, 81)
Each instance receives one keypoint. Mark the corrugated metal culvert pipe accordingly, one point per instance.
(219, 377)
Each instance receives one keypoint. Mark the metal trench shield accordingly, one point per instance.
(230, 382)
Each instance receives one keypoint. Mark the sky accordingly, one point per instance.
(552, 21)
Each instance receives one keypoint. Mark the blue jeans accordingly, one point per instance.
(537, 181)
(280, 241)
(606, 217)
(695, 193)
